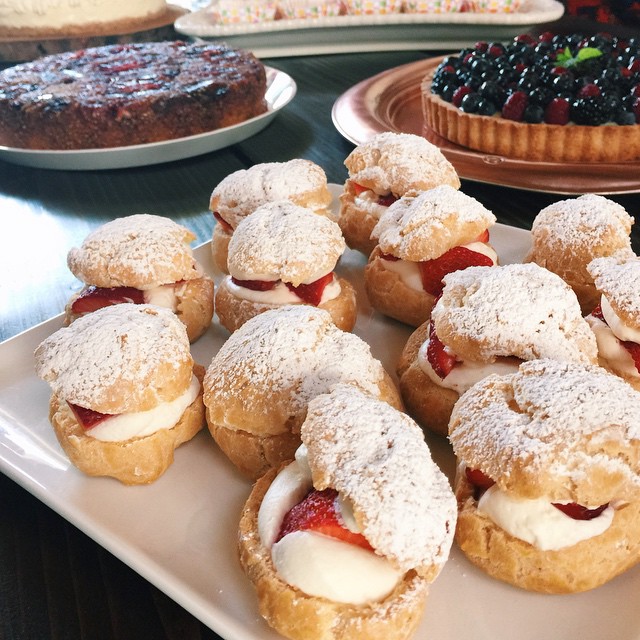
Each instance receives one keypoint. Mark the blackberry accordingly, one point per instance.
(590, 110)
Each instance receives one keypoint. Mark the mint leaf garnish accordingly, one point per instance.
(566, 59)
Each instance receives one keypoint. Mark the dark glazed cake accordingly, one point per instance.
(122, 95)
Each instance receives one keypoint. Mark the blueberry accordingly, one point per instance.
(470, 103)
(533, 114)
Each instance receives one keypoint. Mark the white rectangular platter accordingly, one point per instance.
(180, 532)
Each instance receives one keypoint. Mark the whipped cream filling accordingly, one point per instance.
(409, 272)
(138, 424)
(165, 295)
(621, 330)
(610, 349)
(465, 373)
(280, 294)
(368, 201)
(314, 563)
(538, 522)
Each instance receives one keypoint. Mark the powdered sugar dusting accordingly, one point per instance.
(296, 348)
(141, 250)
(618, 278)
(555, 424)
(119, 345)
(431, 223)
(519, 310)
(284, 241)
(399, 163)
(377, 457)
(243, 191)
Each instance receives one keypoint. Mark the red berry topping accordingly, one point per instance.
(525, 38)
(478, 479)
(557, 111)
(520, 67)
(597, 313)
(633, 349)
(636, 91)
(94, 298)
(634, 67)
(87, 417)
(358, 188)
(432, 271)
(389, 256)
(441, 361)
(312, 293)
(460, 93)
(589, 90)
(255, 285)
(223, 223)
(579, 512)
(317, 512)
(387, 200)
(546, 36)
(514, 106)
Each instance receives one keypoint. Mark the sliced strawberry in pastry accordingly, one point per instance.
(433, 271)
(223, 223)
(255, 285)
(87, 417)
(385, 200)
(317, 512)
(312, 293)
(389, 256)
(597, 313)
(441, 361)
(633, 348)
(578, 511)
(478, 478)
(93, 298)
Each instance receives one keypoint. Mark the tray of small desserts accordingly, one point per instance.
(391, 101)
(185, 541)
(374, 27)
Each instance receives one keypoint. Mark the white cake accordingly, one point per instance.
(39, 18)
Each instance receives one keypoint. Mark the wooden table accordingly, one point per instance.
(54, 581)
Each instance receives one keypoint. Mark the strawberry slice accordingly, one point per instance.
(385, 200)
(255, 285)
(597, 313)
(432, 271)
(87, 417)
(441, 361)
(478, 478)
(93, 298)
(389, 256)
(312, 293)
(578, 511)
(633, 348)
(483, 237)
(223, 223)
(317, 512)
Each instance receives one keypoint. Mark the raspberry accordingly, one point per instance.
(557, 111)
(514, 106)
(589, 90)
(460, 93)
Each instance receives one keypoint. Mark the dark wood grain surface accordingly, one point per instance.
(55, 582)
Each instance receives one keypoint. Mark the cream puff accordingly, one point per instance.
(615, 321)
(568, 234)
(284, 254)
(344, 541)
(142, 259)
(488, 320)
(548, 480)
(258, 385)
(421, 238)
(125, 390)
(381, 170)
(300, 181)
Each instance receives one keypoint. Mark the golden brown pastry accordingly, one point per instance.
(142, 259)
(421, 238)
(126, 391)
(300, 181)
(548, 482)
(284, 254)
(488, 320)
(381, 170)
(568, 234)
(616, 320)
(344, 541)
(260, 382)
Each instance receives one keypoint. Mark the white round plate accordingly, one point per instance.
(281, 88)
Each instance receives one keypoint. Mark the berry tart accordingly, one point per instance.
(284, 254)
(548, 476)
(344, 541)
(488, 320)
(562, 98)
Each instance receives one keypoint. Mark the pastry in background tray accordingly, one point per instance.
(260, 382)
(284, 254)
(563, 98)
(488, 320)
(616, 319)
(421, 239)
(126, 391)
(142, 259)
(381, 170)
(345, 540)
(304, 9)
(240, 193)
(121, 95)
(548, 480)
(568, 234)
